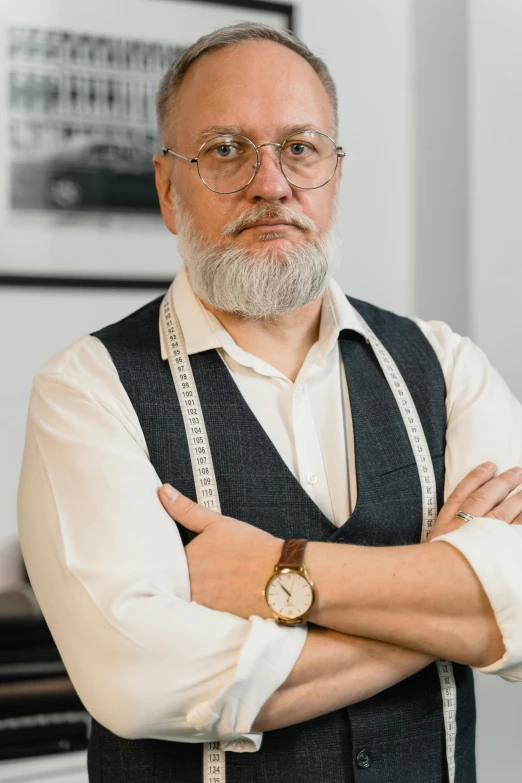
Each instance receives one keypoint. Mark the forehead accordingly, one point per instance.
(260, 87)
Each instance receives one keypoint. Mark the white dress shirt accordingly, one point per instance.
(107, 563)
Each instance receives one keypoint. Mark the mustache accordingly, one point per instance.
(263, 211)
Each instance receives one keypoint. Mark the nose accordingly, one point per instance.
(269, 183)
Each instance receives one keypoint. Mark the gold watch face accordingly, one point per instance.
(289, 594)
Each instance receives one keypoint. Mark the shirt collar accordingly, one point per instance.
(203, 331)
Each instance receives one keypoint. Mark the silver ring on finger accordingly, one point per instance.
(465, 516)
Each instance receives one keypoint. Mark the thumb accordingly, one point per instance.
(189, 514)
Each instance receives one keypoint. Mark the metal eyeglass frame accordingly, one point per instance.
(340, 154)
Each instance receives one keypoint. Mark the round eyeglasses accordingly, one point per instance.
(229, 163)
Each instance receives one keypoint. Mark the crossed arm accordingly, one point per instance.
(334, 671)
(393, 610)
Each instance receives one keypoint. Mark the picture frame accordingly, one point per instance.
(78, 205)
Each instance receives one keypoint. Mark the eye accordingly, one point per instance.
(298, 148)
(225, 151)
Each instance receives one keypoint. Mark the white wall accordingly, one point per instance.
(496, 182)
(367, 45)
(439, 76)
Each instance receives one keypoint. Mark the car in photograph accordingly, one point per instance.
(86, 176)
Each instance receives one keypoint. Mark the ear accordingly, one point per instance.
(163, 168)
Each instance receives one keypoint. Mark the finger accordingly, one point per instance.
(488, 497)
(469, 484)
(509, 510)
(189, 514)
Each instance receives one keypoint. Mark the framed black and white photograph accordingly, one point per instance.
(78, 201)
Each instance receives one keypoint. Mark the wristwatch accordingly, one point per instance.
(289, 592)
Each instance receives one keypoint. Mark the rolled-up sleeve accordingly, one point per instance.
(484, 423)
(109, 571)
(494, 551)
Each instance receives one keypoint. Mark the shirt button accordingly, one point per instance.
(299, 389)
(311, 478)
(239, 745)
(363, 759)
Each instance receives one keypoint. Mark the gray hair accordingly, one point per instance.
(231, 35)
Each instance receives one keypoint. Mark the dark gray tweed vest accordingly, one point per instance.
(395, 737)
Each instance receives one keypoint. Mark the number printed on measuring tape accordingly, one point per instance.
(213, 763)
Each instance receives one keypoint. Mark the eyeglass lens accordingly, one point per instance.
(228, 163)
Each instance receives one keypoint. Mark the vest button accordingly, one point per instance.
(363, 759)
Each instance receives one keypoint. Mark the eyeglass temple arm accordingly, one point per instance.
(190, 160)
(340, 152)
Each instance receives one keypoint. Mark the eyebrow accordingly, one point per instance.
(218, 130)
(227, 130)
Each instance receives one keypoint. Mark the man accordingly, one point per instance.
(292, 385)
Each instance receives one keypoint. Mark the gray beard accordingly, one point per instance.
(256, 284)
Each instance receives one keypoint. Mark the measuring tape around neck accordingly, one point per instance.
(428, 482)
(214, 769)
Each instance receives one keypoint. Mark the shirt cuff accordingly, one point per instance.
(266, 659)
(494, 551)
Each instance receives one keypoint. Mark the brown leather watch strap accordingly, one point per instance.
(292, 553)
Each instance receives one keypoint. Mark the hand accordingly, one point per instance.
(482, 495)
(289, 594)
(229, 562)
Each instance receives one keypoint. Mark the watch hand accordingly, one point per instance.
(284, 588)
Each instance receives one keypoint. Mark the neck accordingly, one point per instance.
(282, 341)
